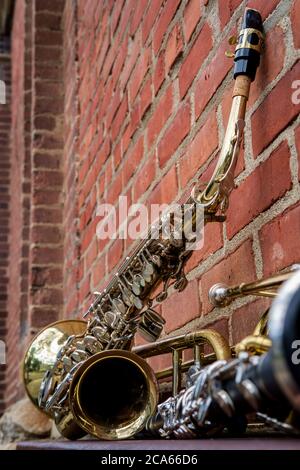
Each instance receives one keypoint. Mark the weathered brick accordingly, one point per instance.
(261, 189)
(211, 78)
(191, 17)
(269, 68)
(231, 270)
(226, 9)
(139, 74)
(144, 178)
(297, 138)
(114, 254)
(166, 190)
(279, 241)
(295, 20)
(163, 22)
(187, 305)
(269, 120)
(212, 242)
(174, 135)
(194, 59)
(159, 72)
(244, 319)
(161, 114)
(200, 149)
(264, 8)
(174, 46)
(150, 17)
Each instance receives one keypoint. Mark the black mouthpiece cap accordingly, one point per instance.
(247, 55)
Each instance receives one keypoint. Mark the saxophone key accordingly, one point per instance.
(92, 345)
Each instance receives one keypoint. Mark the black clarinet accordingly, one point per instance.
(225, 392)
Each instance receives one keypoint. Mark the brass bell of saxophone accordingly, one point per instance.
(113, 394)
(42, 352)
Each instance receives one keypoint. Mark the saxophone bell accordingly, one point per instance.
(112, 394)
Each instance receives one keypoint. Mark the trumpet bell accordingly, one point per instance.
(42, 353)
(113, 394)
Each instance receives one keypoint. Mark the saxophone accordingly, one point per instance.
(73, 387)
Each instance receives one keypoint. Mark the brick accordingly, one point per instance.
(116, 15)
(48, 105)
(47, 123)
(150, 17)
(191, 17)
(48, 20)
(194, 59)
(139, 74)
(226, 10)
(98, 273)
(200, 149)
(49, 5)
(41, 317)
(160, 116)
(159, 72)
(47, 142)
(268, 183)
(44, 54)
(46, 276)
(230, 271)
(42, 255)
(91, 255)
(132, 160)
(211, 78)
(47, 297)
(166, 190)
(221, 326)
(114, 254)
(115, 189)
(144, 178)
(175, 133)
(213, 241)
(269, 68)
(145, 98)
(42, 178)
(295, 20)
(49, 38)
(84, 289)
(280, 241)
(46, 234)
(47, 215)
(174, 46)
(163, 22)
(119, 118)
(297, 138)
(269, 120)
(187, 303)
(264, 8)
(245, 319)
(138, 13)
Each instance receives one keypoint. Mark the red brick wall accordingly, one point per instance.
(154, 97)
(142, 112)
(5, 118)
(36, 237)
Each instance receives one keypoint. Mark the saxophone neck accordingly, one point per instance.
(214, 198)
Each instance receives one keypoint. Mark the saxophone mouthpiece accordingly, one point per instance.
(249, 45)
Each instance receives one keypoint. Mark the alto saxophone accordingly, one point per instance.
(80, 388)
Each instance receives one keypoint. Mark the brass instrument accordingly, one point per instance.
(100, 353)
(225, 392)
(221, 295)
(176, 344)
